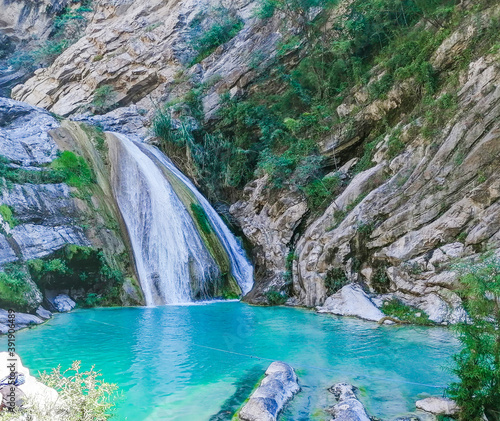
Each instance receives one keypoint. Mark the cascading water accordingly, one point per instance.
(175, 261)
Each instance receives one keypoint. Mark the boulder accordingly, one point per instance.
(351, 300)
(274, 391)
(438, 406)
(63, 303)
(43, 314)
(46, 398)
(21, 321)
(348, 407)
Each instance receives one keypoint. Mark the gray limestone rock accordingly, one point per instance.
(351, 300)
(348, 407)
(275, 390)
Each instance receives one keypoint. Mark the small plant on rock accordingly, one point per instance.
(104, 99)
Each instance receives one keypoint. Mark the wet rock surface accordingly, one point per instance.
(348, 408)
(275, 390)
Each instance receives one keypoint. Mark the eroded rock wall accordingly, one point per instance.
(141, 49)
(44, 217)
(399, 226)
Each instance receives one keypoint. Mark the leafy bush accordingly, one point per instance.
(104, 99)
(21, 175)
(477, 365)
(14, 290)
(74, 169)
(224, 26)
(276, 298)
(396, 308)
(85, 395)
(75, 267)
(380, 281)
(7, 215)
(335, 280)
(318, 192)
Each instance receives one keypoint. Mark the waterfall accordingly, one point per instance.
(176, 261)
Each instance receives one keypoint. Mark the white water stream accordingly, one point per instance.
(172, 262)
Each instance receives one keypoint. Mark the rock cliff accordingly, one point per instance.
(418, 170)
(41, 214)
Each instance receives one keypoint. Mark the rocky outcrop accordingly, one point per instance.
(42, 399)
(63, 303)
(20, 321)
(26, 19)
(399, 226)
(46, 217)
(269, 221)
(274, 391)
(348, 408)
(351, 300)
(140, 49)
(438, 406)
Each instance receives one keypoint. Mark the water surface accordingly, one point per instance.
(199, 362)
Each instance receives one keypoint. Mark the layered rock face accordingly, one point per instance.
(140, 49)
(47, 214)
(397, 228)
(25, 19)
(39, 218)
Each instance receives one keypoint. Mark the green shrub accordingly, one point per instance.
(14, 290)
(335, 280)
(397, 309)
(365, 162)
(276, 298)
(84, 394)
(477, 365)
(104, 99)
(224, 26)
(320, 192)
(21, 175)
(91, 300)
(380, 281)
(75, 267)
(8, 216)
(74, 169)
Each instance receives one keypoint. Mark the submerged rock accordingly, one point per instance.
(438, 406)
(63, 303)
(351, 300)
(348, 408)
(275, 390)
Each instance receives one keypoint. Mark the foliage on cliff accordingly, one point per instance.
(69, 25)
(276, 129)
(76, 267)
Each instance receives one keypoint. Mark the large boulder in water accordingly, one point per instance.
(275, 390)
(63, 303)
(351, 300)
(438, 406)
(348, 408)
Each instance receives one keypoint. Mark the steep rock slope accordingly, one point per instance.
(141, 49)
(417, 170)
(399, 226)
(40, 214)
